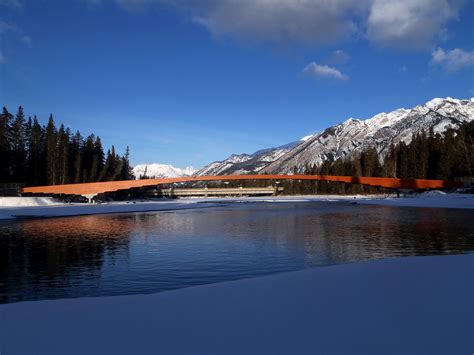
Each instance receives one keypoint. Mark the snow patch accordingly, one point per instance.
(162, 171)
(403, 305)
(27, 201)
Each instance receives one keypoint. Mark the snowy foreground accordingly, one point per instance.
(414, 305)
(31, 207)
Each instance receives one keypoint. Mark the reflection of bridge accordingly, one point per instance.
(90, 190)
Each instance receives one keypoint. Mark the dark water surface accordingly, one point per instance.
(119, 254)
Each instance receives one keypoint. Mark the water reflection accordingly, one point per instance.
(151, 252)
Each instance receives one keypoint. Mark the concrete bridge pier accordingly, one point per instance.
(90, 197)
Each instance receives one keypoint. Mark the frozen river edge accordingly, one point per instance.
(30, 207)
(411, 305)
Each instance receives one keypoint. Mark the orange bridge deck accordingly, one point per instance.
(95, 188)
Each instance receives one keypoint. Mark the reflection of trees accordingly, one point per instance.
(36, 255)
(368, 232)
(68, 256)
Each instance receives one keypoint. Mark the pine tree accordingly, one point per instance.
(18, 146)
(126, 172)
(144, 176)
(97, 162)
(63, 155)
(5, 158)
(88, 160)
(35, 154)
(76, 158)
(51, 152)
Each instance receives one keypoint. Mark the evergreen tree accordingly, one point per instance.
(88, 173)
(63, 155)
(18, 146)
(113, 166)
(51, 152)
(76, 158)
(97, 163)
(5, 158)
(126, 172)
(35, 154)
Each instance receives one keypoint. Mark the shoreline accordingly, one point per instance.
(48, 207)
(402, 305)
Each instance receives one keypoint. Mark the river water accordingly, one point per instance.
(140, 253)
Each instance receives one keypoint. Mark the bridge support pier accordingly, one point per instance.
(90, 197)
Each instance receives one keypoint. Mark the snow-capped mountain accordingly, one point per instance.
(246, 163)
(351, 137)
(161, 171)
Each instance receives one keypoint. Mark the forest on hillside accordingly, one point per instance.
(429, 155)
(34, 154)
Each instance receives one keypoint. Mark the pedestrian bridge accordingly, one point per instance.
(90, 190)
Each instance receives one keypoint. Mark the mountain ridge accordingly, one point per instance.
(348, 138)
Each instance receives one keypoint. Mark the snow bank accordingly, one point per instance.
(77, 209)
(415, 305)
(434, 193)
(27, 201)
(429, 199)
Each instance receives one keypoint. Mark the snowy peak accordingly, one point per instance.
(380, 131)
(161, 171)
(349, 138)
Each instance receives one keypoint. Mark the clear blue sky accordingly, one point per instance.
(190, 82)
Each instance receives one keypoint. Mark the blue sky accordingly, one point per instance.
(190, 82)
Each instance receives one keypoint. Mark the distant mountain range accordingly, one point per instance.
(348, 138)
(161, 171)
(343, 140)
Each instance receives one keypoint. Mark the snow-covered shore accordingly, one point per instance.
(414, 305)
(78, 209)
(38, 207)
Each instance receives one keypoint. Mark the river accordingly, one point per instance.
(141, 253)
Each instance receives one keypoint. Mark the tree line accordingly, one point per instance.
(35, 154)
(429, 155)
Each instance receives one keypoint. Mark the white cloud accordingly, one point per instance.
(339, 57)
(11, 3)
(301, 21)
(399, 24)
(12, 29)
(5, 27)
(452, 60)
(410, 24)
(26, 40)
(2, 58)
(403, 69)
(323, 71)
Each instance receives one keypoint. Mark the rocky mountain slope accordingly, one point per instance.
(246, 163)
(349, 138)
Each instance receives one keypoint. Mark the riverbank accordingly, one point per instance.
(411, 305)
(42, 207)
